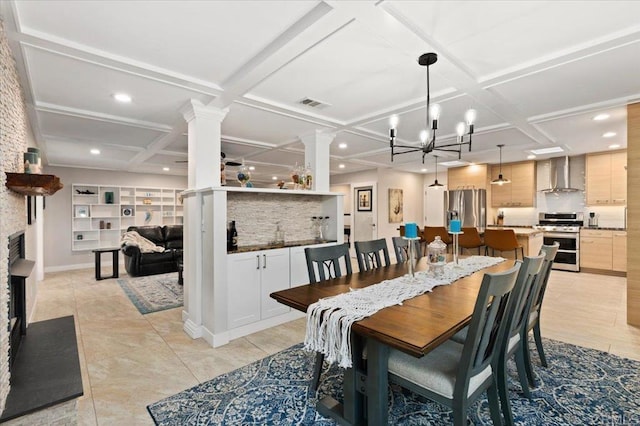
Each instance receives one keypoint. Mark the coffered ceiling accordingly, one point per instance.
(537, 72)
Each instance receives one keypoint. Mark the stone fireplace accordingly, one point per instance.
(19, 270)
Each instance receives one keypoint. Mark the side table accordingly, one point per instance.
(114, 251)
(180, 265)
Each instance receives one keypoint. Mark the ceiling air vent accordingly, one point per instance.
(313, 103)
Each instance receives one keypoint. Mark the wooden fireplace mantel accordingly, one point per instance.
(33, 184)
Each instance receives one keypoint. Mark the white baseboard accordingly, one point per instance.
(194, 331)
(215, 340)
(264, 324)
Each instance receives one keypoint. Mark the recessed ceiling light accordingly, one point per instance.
(95, 151)
(531, 156)
(252, 168)
(342, 145)
(342, 166)
(454, 163)
(614, 146)
(274, 177)
(550, 150)
(122, 97)
(601, 117)
(609, 134)
(423, 170)
(166, 169)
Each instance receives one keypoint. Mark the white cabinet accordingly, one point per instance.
(102, 213)
(298, 273)
(244, 274)
(275, 277)
(252, 277)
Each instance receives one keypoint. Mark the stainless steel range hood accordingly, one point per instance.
(565, 175)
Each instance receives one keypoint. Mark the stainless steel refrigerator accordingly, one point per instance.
(471, 205)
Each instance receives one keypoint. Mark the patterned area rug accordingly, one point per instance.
(154, 292)
(581, 386)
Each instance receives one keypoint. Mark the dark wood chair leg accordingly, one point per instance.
(526, 352)
(522, 372)
(494, 404)
(503, 392)
(538, 338)
(317, 369)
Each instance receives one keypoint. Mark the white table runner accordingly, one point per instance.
(329, 320)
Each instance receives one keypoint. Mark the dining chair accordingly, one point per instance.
(401, 249)
(429, 234)
(326, 262)
(455, 374)
(512, 341)
(470, 238)
(502, 240)
(368, 254)
(533, 309)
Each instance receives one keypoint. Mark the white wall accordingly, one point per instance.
(57, 213)
(412, 185)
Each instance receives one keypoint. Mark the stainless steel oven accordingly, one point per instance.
(565, 229)
(568, 257)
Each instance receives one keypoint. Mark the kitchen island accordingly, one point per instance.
(530, 239)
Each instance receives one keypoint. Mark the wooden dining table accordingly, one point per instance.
(416, 327)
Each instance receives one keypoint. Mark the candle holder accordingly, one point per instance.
(455, 245)
(411, 254)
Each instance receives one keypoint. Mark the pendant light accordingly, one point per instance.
(500, 180)
(435, 183)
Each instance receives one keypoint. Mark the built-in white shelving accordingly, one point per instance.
(102, 213)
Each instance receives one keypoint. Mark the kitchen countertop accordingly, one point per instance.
(520, 230)
(286, 244)
(603, 228)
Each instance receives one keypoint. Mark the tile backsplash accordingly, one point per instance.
(257, 214)
(608, 216)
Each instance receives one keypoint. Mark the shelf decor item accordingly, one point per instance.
(127, 212)
(244, 175)
(31, 163)
(82, 211)
(108, 197)
(146, 201)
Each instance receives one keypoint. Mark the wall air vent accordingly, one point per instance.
(313, 103)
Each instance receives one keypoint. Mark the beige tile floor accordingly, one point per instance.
(130, 360)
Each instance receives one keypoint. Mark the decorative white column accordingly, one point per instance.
(204, 171)
(316, 153)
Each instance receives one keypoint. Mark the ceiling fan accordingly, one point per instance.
(222, 159)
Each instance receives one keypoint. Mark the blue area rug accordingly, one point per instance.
(153, 293)
(581, 387)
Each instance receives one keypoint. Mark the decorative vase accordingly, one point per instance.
(243, 176)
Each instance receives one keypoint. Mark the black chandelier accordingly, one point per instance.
(428, 136)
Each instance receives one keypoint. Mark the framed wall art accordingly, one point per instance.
(395, 205)
(365, 200)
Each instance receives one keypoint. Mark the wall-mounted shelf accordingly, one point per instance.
(33, 184)
(90, 208)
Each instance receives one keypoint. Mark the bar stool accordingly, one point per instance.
(469, 239)
(501, 240)
(430, 232)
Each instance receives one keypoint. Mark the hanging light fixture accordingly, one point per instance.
(435, 183)
(501, 180)
(428, 136)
